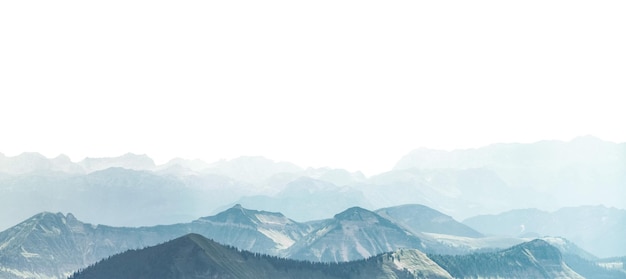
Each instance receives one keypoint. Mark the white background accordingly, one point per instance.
(349, 84)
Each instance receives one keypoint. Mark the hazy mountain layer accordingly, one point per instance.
(103, 190)
(460, 193)
(308, 199)
(585, 170)
(116, 196)
(462, 183)
(597, 229)
(419, 218)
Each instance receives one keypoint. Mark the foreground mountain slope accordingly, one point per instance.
(193, 256)
(534, 259)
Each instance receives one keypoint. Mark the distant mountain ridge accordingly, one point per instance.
(420, 218)
(463, 183)
(585, 170)
(597, 229)
(30, 162)
(308, 199)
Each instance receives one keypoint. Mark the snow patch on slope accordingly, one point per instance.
(271, 219)
(282, 241)
(556, 242)
(27, 254)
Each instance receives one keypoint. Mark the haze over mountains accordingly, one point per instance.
(568, 194)
(463, 183)
(585, 170)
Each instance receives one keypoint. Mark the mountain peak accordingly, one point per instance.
(243, 216)
(539, 248)
(46, 215)
(419, 218)
(356, 214)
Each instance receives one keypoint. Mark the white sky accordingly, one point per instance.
(349, 84)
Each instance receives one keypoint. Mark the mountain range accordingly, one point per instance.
(193, 256)
(462, 183)
(585, 170)
(51, 245)
(508, 194)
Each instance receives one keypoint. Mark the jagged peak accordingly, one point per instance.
(58, 216)
(47, 214)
